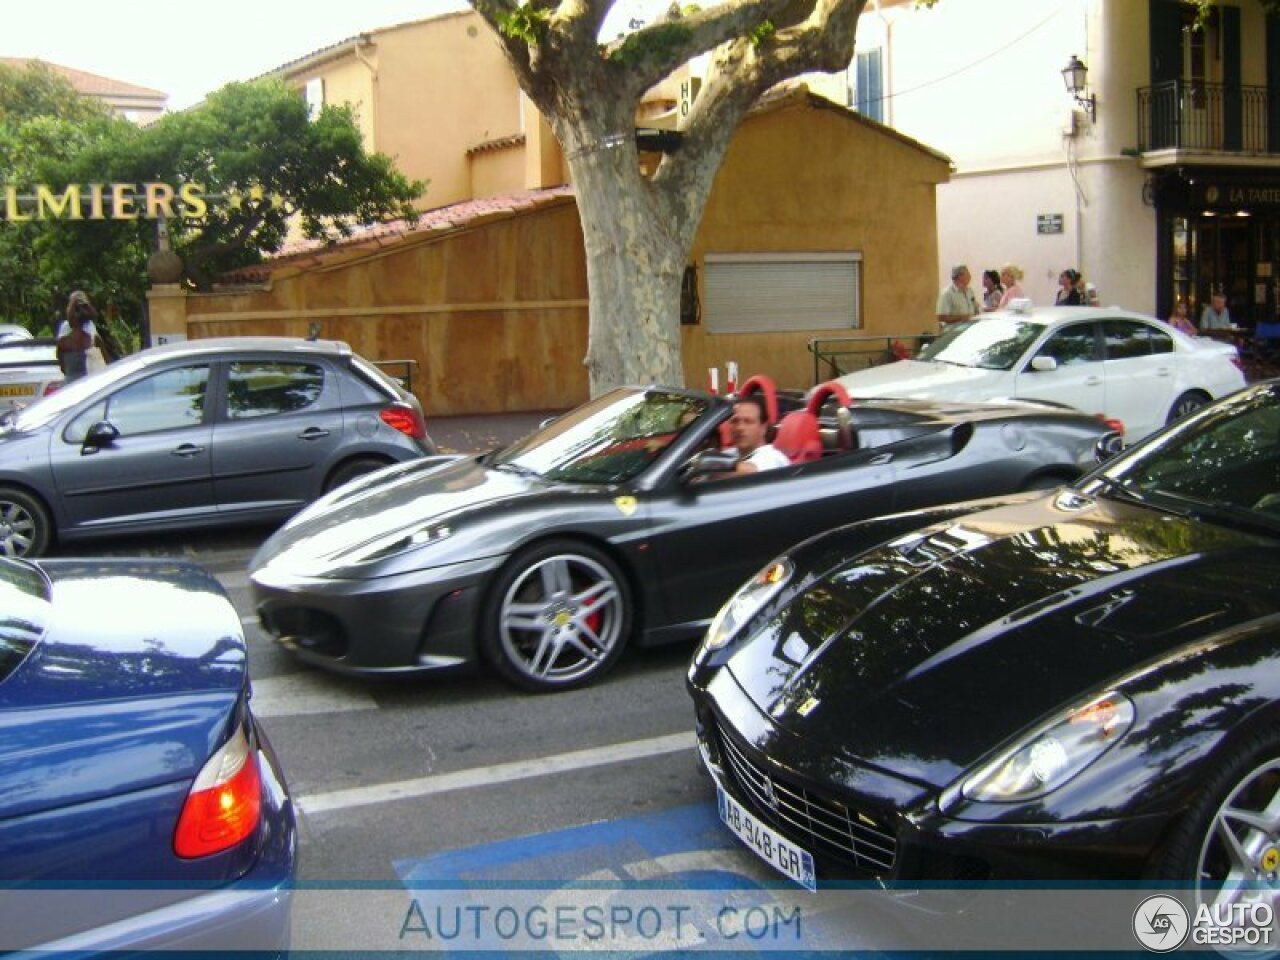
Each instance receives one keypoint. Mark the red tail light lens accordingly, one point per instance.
(52, 387)
(225, 802)
(1112, 423)
(402, 417)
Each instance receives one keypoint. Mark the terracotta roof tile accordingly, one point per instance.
(88, 83)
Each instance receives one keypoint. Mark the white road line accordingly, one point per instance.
(298, 694)
(496, 774)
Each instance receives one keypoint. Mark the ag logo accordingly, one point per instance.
(1161, 923)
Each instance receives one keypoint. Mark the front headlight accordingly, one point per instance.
(1050, 756)
(746, 603)
(391, 544)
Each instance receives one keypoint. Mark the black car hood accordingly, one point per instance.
(388, 502)
(922, 655)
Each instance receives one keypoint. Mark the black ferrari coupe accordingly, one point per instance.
(616, 522)
(1082, 683)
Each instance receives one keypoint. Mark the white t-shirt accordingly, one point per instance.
(768, 457)
(64, 328)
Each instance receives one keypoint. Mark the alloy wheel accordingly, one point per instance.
(561, 619)
(1239, 859)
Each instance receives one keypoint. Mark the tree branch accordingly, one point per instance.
(654, 51)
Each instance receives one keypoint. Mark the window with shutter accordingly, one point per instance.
(770, 293)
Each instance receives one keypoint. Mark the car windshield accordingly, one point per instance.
(24, 598)
(609, 440)
(1223, 464)
(991, 343)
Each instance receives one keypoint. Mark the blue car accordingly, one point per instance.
(141, 806)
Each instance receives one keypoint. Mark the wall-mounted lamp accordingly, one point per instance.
(1076, 76)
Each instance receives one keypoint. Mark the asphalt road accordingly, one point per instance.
(390, 775)
(336, 733)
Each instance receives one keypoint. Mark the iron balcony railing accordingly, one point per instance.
(1178, 115)
(835, 356)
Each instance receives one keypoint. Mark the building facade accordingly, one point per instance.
(1160, 182)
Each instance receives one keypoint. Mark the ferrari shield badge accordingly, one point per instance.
(626, 505)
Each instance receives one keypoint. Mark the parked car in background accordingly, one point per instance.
(199, 433)
(613, 523)
(28, 371)
(1122, 365)
(13, 331)
(141, 806)
(1083, 683)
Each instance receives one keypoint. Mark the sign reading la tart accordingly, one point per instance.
(106, 201)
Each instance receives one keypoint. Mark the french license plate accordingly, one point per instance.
(772, 847)
(17, 390)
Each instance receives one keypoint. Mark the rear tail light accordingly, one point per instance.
(1112, 423)
(225, 802)
(52, 387)
(1238, 361)
(404, 418)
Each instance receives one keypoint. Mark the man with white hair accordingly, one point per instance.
(957, 301)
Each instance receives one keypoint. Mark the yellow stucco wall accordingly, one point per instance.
(443, 87)
(498, 171)
(348, 80)
(814, 179)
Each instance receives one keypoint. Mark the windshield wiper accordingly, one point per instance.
(518, 468)
(1215, 510)
(1123, 490)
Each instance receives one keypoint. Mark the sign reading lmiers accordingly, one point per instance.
(120, 201)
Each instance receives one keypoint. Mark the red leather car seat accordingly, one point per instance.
(831, 390)
(798, 437)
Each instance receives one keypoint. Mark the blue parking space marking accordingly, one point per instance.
(624, 852)
(653, 859)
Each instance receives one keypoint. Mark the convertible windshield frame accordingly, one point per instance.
(985, 343)
(610, 440)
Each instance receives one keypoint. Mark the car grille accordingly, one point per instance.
(823, 825)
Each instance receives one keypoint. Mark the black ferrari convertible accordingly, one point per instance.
(1083, 683)
(616, 522)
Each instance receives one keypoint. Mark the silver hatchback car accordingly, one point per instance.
(199, 433)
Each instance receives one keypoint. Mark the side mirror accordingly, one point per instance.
(101, 434)
(708, 463)
(1044, 364)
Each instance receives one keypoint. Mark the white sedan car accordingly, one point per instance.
(28, 371)
(1101, 360)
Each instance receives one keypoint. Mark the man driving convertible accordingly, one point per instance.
(749, 427)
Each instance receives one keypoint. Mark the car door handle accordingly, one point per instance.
(1092, 381)
(187, 450)
(880, 459)
(1163, 372)
(313, 433)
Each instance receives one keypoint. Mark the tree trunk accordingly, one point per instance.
(635, 264)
